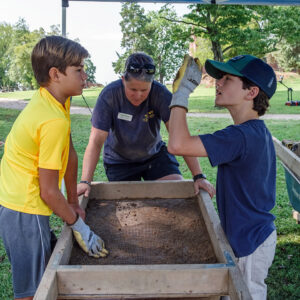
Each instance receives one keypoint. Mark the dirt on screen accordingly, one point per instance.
(155, 231)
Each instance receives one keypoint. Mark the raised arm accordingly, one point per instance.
(187, 79)
(180, 141)
(91, 158)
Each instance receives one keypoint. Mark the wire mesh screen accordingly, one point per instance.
(148, 231)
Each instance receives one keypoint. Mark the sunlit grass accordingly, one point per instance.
(202, 100)
(284, 277)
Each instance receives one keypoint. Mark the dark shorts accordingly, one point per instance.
(27, 241)
(161, 164)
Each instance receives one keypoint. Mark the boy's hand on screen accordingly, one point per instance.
(90, 242)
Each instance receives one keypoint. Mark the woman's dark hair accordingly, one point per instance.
(139, 59)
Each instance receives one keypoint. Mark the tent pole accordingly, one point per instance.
(63, 22)
(64, 5)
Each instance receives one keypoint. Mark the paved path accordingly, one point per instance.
(266, 117)
(20, 104)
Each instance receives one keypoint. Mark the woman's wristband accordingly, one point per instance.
(199, 176)
(85, 181)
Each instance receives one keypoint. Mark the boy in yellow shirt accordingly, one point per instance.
(38, 154)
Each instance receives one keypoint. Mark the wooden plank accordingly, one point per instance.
(288, 157)
(136, 297)
(142, 189)
(60, 256)
(48, 289)
(237, 289)
(63, 248)
(214, 228)
(143, 280)
(83, 201)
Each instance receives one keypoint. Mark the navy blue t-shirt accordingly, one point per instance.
(246, 182)
(134, 131)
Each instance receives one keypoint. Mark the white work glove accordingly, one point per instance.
(90, 242)
(187, 79)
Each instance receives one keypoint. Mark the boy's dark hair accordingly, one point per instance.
(58, 52)
(261, 101)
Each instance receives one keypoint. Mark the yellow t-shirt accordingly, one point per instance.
(39, 138)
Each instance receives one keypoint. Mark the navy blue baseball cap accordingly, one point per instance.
(248, 66)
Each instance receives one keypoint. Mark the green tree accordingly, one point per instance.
(90, 70)
(284, 24)
(231, 29)
(163, 42)
(201, 48)
(288, 56)
(6, 37)
(19, 51)
(20, 69)
(16, 44)
(132, 27)
(154, 35)
(119, 64)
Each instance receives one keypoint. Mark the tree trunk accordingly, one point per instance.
(161, 78)
(161, 75)
(218, 55)
(217, 51)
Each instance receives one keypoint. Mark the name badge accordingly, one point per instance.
(125, 117)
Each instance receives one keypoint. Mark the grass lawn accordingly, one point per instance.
(284, 276)
(202, 93)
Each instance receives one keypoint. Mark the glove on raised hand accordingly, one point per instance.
(90, 242)
(187, 79)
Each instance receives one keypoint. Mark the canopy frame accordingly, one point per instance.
(65, 4)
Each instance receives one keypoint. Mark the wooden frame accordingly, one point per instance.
(291, 161)
(289, 158)
(64, 281)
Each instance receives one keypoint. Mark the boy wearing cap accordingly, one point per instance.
(38, 154)
(244, 153)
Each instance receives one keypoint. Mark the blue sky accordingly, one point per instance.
(96, 24)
